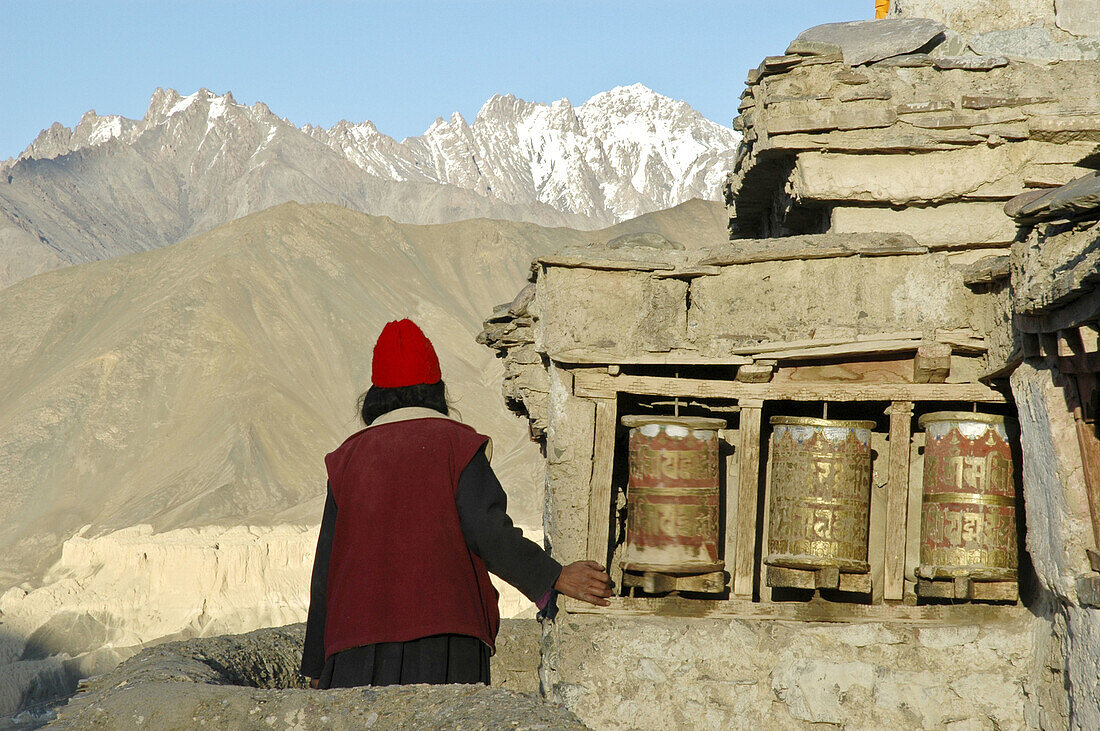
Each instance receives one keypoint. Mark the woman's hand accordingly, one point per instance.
(585, 580)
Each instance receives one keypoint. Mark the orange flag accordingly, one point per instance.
(881, 7)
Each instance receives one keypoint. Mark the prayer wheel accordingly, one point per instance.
(968, 515)
(672, 498)
(820, 494)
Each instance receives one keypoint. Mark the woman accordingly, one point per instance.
(413, 522)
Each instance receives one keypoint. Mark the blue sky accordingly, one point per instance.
(400, 64)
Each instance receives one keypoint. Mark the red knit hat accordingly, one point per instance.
(403, 356)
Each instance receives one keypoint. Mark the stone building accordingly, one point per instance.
(913, 231)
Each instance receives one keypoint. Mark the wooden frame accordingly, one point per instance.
(598, 383)
(812, 611)
(750, 580)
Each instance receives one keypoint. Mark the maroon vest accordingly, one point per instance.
(400, 568)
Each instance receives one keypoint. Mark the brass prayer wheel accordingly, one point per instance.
(968, 515)
(672, 498)
(820, 494)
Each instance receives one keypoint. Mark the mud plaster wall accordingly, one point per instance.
(1059, 530)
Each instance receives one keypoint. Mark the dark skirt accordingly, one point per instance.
(436, 660)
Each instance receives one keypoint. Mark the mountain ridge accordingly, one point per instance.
(200, 383)
(112, 185)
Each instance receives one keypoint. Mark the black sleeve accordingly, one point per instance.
(482, 509)
(313, 652)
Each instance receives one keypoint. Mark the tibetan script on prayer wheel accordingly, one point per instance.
(820, 494)
(968, 515)
(672, 499)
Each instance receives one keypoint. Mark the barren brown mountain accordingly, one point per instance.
(163, 415)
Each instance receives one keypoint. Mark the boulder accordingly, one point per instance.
(867, 41)
(251, 681)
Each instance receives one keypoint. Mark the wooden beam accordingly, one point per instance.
(654, 583)
(812, 611)
(932, 363)
(589, 383)
(969, 342)
(586, 262)
(824, 342)
(995, 591)
(824, 578)
(748, 483)
(897, 498)
(865, 348)
(599, 494)
(590, 356)
(963, 588)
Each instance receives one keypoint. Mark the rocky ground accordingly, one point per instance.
(251, 681)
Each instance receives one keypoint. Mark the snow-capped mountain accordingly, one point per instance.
(113, 185)
(624, 152)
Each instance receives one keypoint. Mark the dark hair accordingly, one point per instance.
(377, 401)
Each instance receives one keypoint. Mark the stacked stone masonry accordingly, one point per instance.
(895, 146)
(913, 228)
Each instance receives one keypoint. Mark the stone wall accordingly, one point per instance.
(1060, 530)
(978, 16)
(596, 300)
(1055, 301)
(860, 130)
(660, 672)
(1037, 29)
(924, 140)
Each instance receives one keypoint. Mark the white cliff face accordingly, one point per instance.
(624, 152)
(112, 186)
(111, 594)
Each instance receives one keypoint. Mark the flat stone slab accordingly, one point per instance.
(969, 63)
(1034, 43)
(1073, 199)
(1079, 17)
(867, 41)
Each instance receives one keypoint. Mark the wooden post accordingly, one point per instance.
(913, 518)
(764, 590)
(599, 493)
(729, 436)
(748, 483)
(1081, 388)
(932, 363)
(897, 498)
